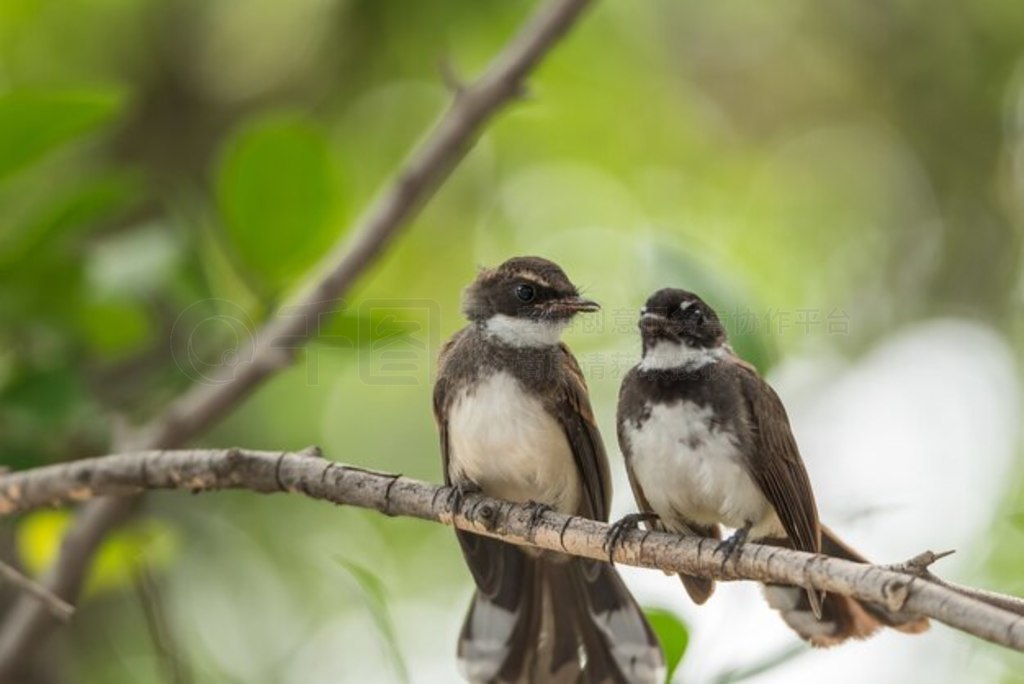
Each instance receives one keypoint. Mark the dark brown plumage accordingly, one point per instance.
(708, 442)
(515, 421)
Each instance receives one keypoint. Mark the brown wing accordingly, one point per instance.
(571, 406)
(776, 464)
(641, 499)
(778, 469)
(441, 387)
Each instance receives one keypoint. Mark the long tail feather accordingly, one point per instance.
(569, 620)
(842, 617)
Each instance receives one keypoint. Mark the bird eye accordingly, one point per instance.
(696, 314)
(525, 292)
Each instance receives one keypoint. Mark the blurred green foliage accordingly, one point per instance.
(376, 597)
(33, 123)
(277, 190)
(672, 634)
(151, 542)
(170, 172)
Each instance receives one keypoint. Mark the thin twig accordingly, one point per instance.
(164, 644)
(419, 176)
(58, 607)
(920, 566)
(313, 476)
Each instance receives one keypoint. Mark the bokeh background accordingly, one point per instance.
(843, 180)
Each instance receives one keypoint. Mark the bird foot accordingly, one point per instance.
(457, 496)
(626, 523)
(733, 546)
(537, 511)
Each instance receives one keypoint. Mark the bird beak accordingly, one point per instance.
(652, 321)
(573, 305)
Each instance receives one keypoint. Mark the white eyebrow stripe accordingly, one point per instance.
(686, 305)
(533, 279)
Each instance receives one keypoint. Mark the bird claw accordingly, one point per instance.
(733, 546)
(457, 496)
(537, 511)
(626, 523)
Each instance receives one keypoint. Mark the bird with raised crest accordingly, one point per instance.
(708, 443)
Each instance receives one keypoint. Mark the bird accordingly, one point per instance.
(707, 442)
(515, 423)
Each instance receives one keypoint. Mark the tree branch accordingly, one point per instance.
(417, 179)
(920, 566)
(61, 609)
(309, 474)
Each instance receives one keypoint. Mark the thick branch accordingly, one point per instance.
(418, 177)
(309, 474)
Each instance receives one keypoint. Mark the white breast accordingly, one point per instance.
(506, 442)
(693, 470)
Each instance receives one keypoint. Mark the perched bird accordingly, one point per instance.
(515, 423)
(707, 442)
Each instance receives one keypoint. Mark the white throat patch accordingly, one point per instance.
(525, 332)
(665, 355)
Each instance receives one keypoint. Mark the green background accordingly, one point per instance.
(829, 174)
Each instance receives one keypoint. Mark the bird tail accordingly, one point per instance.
(842, 617)
(573, 621)
(701, 588)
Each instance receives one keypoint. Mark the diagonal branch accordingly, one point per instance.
(417, 179)
(60, 608)
(309, 474)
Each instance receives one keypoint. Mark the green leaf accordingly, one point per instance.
(224, 280)
(34, 122)
(69, 207)
(115, 327)
(375, 596)
(277, 193)
(672, 634)
(41, 262)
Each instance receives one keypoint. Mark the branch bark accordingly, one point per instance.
(920, 566)
(417, 179)
(309, 474)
